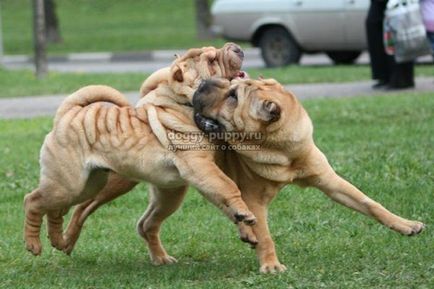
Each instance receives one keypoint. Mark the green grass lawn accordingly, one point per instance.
(24, 83)
(106, 25)
(381, 144)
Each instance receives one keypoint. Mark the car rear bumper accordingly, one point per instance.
(217, 30)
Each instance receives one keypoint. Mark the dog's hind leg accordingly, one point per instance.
(33, 222)
(48, 199)
(162, 203)
(57, 205)
(75, 225)
(116, 186)
(55, 228)
(343, 192)
(108, 189)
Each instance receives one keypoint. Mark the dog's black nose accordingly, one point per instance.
(238, 51)
(241, 54)
(235, 49)
(206, 85)
(201, 85)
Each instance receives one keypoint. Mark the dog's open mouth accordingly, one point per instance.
(207, 125)
(241, 75)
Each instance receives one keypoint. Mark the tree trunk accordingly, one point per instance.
(52, 31)
(1, 39)
(39, 38)
(203, 19)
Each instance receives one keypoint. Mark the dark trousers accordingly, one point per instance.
(384, 67)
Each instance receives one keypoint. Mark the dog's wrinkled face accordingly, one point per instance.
(240, 105)
(231, 56)
(207, 62)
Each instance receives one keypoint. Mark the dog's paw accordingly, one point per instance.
(416, 228)
(247, 235)
(58, 242)
(163, 260)
(408, 228)
(246, 217)
(272, 267)
(34, 246)
(69, 244)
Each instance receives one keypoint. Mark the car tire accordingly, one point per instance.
(344, 57)
(278, 48)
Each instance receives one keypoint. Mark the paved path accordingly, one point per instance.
(143, 62)
(149, 61)
(28, 107)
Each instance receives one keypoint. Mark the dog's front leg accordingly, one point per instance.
(265, 249)
(200, 171)
(348, 195)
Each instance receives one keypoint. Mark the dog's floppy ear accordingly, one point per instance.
(177, 74)
(269, 111)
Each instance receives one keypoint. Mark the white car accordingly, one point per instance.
(284, 29)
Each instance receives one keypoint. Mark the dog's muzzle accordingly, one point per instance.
(207, 125)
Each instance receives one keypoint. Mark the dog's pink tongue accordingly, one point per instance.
(242, 75)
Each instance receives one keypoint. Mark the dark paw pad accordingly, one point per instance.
(250, 222)
(253, 243)
(417, 230)
(239, 217)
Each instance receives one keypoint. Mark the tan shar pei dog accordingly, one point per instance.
(288, 155)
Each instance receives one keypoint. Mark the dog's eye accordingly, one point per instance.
(211, 61)
(233, 94)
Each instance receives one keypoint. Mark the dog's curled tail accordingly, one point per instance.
(91, 94)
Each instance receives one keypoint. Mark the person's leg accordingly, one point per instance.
(402, 75)
(430, 35)
(374, 29)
